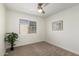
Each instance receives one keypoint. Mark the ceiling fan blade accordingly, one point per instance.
(40, 4)
(43, 12)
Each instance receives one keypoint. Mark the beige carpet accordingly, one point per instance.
(40, 49)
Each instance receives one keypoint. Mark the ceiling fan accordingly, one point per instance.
(41, 6)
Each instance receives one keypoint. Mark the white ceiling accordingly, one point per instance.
(31, 8)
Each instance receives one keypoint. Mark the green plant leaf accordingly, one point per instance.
(11, 37)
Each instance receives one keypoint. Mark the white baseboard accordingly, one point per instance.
(24, 44)
(64, 48)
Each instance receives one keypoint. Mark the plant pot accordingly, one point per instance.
(12, 48)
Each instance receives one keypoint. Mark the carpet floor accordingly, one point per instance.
(39, 49)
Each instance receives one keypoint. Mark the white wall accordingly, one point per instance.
(2, 29)
(69, 37)
(13, 26)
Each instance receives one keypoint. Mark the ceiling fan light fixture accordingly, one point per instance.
(40, 10)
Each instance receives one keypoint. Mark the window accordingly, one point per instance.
(27, 26)
(57, 25)
(32, 27)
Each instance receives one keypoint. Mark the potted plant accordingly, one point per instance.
(11, 38)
